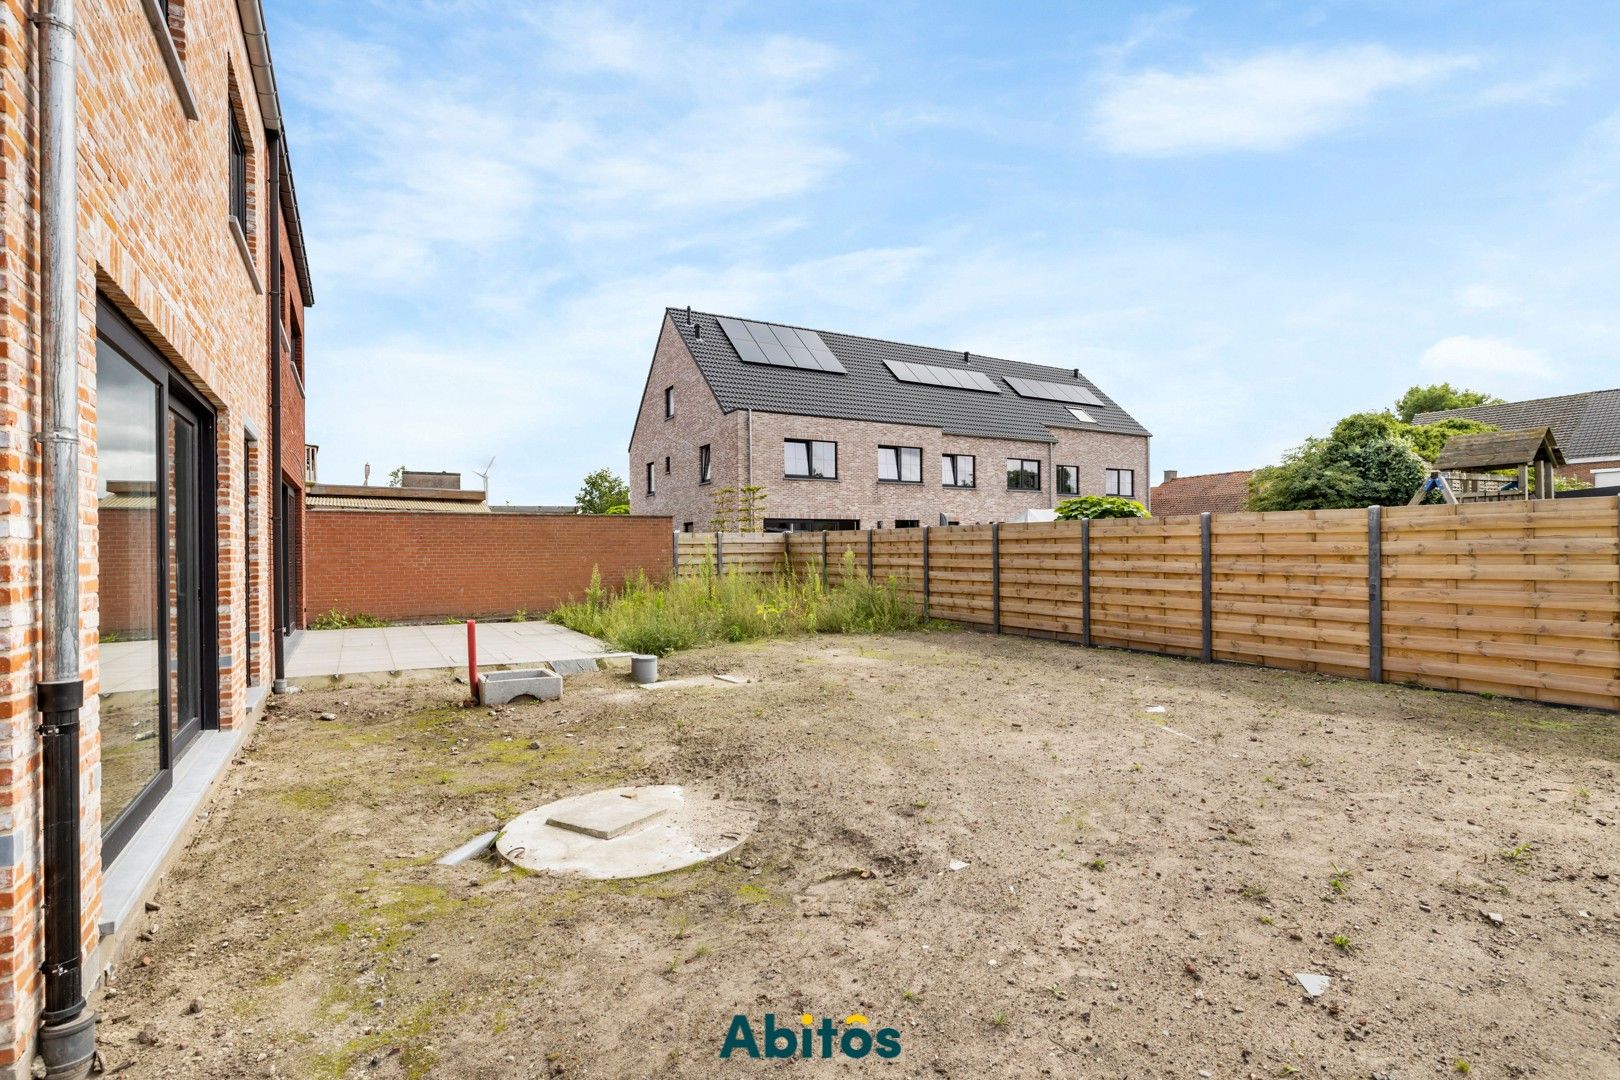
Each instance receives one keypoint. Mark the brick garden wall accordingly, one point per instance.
(404, 566)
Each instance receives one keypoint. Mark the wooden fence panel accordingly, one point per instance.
(1514, 598)
(1040, 579)
(1146, 587)
(897, 558)
(1517, 598)
(1289, 589)
(959, 574)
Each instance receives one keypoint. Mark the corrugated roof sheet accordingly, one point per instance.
(1585, 425)
(871, 392)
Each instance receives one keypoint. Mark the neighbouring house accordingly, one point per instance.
(1217, 493)
(153, 286)
(844, 432)
(1586, 427)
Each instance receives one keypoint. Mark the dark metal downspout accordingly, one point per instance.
(278, 518)
(67, 1035)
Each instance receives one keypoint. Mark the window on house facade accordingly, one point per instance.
(238, 174)
(705, 465)
(669, 402)
(906, 523)
(650, 489)
(1068, 480)
(297, 348)
(900, 464)
(666, 464)
(1023, 474)
(807, 459)
(1121, 482)
(956, 470)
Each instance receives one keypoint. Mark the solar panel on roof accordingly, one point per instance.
(780, 346)
(929, 375)
(1050, 391)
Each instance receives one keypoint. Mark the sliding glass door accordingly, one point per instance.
(155, 466)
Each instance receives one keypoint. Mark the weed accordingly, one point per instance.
(343, 620)
(1058, 992)
(908, 995)
(1339, 880)
(1267, 920)
(1462, 1067)
(1583, 794)
(1097, 864)
(999, 1020)
(1306, 761)
(1342, 943)
(1255, 891)
(520, 615)
(1136, 766)
(711, 607)
(1519, 855)
(919, 804)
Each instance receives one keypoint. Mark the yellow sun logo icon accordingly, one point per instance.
(854, 1018)
(807, 1019)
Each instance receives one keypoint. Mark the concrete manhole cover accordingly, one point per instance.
(625, 832)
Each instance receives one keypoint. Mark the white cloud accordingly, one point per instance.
(1482, 296)
(1481, 357)
(1269, 101)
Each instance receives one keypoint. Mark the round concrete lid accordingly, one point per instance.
(624, 832)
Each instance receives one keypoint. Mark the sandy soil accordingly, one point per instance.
(1140, 885)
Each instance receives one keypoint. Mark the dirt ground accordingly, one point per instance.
(1140, 885)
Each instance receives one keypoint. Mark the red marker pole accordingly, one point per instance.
(472, 658)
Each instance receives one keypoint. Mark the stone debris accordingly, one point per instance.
(1314, 984)
(956, 864)
(1156, 709)
(1494, 917)
(328, 717)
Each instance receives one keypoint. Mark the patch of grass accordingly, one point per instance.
(1519, 855)
(411, 1035)
(1343, 943)
(908, 995)
(999, 1020)
(1254, 890)
(919, 804)
(1462, 1067)
(710, 608)
(749, 893)
(1339, 880)
(1306, 761)
(1267, 920)
(311, 797)
(343, 620)
(1097, 864)
(1583, 794)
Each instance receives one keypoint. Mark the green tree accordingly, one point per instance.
(601, 492)
(1099, 506)
(1438, 398)
(397, 477)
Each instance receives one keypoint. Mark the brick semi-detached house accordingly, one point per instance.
(168, 288)
(852, 432)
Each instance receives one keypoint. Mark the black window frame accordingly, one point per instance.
(1111, 478)
(809, 459)
(652, 477)
(669, 403)
(666, 464)
(956, 471)
(705, 464)
(238, 178)
(908, 523)
(1073, 472)
(1022, 466)
(899, 464)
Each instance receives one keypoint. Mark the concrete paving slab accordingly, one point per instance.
(693, 827)
(314, 653)
(606, 814)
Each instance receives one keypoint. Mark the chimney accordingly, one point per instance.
(1169, 475)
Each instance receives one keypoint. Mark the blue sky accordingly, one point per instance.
(1243, 220)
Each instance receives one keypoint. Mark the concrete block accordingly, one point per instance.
(500, 687)
(575, 665)
(607, 814)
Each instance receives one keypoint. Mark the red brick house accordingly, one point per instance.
(153, 283)
(841, 431)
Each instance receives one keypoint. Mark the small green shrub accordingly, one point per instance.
(1100, 506)
(343, 620)
(715, 607)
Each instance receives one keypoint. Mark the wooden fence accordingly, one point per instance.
(1516, 598)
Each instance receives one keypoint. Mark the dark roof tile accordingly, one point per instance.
(1585, 425)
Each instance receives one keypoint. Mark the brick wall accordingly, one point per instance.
(404, 566)
(1583, 470)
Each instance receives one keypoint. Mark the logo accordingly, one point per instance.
(809, 1039)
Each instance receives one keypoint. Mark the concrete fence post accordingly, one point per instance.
(995, 576)
(1375, 593)
(1206, 579)
(719, 554)
(1085, 582)
(824, 559)
(925, 597)
(869, 578)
